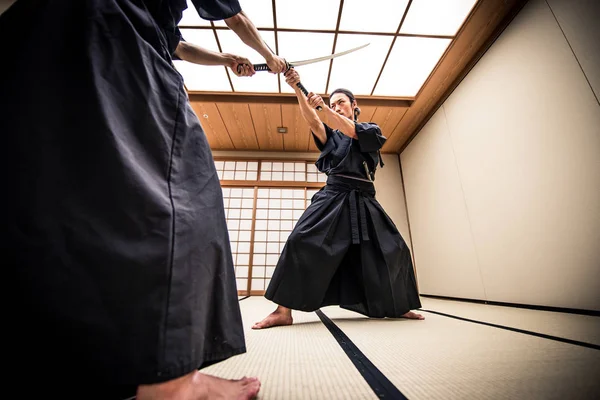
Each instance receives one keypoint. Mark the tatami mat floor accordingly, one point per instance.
(439, 358)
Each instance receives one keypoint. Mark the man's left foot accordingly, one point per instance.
(412, 315)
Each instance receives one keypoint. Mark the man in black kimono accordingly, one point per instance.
(344, 250)
(116, 241)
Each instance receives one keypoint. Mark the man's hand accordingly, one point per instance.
(245, 66)
(315, 100)
(292, 78)
(276, 64)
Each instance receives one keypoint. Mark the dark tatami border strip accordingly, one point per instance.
(383, 388)
(508, 328)
(243, 298)
(517, 305)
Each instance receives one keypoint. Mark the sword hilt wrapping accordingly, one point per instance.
(261, 67)
(257, 67)
(301, 86)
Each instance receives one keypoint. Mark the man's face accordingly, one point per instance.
(340, 103)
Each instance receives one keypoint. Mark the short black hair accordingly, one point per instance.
(344, 91)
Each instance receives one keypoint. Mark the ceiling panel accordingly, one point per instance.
(190, 17)
(266, 119)
(247, 121)
(411, 61)
(202, 77)
(261, 81)
(297, 46)
(202, 37)
(436, 17)
(374, 16)
(307, 14)
(358, 71)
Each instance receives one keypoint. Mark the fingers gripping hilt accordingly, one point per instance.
(261, 67)
(301, 86)
(265, 67)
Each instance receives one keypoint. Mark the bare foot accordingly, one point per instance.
(198, 386)
(281, 316)
(412, 315)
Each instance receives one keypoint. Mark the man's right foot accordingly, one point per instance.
(198, 386)
(274, 319)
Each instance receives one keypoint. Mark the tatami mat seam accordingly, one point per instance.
(523, 331)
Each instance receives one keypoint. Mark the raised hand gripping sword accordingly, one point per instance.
(265, 67)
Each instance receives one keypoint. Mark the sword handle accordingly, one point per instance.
(257, 67)
(301, 86)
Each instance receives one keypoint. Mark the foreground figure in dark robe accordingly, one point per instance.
(344, 250)
(116, 241)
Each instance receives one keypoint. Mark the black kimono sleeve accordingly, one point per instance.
(216, 10)
(322, 146)
(370, 138)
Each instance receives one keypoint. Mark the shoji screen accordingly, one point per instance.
(263, 201)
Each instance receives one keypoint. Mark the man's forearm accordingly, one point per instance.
(309, 114)
(198, 55)
(341, 123)
(245, 29)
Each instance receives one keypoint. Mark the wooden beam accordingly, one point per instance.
(399, 34)
(285, 98)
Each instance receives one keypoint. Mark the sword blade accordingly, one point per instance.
(265, 67)
(325, 58)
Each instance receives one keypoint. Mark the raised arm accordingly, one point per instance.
(245, 29)
(307, 109)
(199, 55)
(340, 122)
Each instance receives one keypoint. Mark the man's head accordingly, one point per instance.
(342, 101)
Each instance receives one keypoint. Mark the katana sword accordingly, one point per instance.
(265, 67)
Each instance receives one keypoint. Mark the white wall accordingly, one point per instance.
(579, 21)
(503, 183)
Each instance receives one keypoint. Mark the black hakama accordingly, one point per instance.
(117, 245)
(344, 249)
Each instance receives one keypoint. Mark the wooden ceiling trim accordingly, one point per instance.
(388, 118)
(295, 30)
(482, 27)
(266, 118)
(213, 126)
(290, 98)
(238, 122)
(311, 143)
(366, 112)
(297, 128)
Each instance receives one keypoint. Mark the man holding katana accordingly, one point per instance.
(344, 250)
(117, 247)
